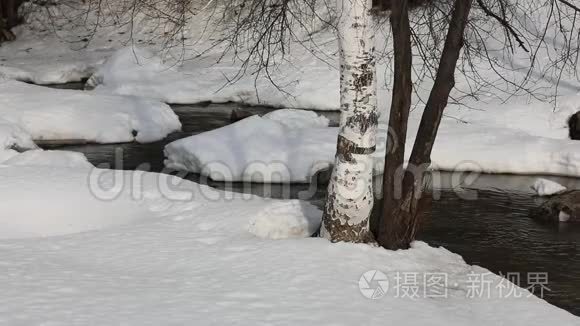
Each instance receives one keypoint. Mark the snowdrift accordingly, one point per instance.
(54, 114)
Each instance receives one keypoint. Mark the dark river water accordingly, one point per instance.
(485, 220)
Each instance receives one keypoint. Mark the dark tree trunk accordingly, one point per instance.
(390, 224)
(388, 5)
(8, 18)
(403, 209)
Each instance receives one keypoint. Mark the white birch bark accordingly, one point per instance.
(350, 195)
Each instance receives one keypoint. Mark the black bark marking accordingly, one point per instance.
(364, 79)
(363, 122)
(345, 149)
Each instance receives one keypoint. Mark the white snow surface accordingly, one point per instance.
(54, 114)
(138, 71)
(296, 119)
(492, 148)
(48, 158)
(545, 187)
(12, 136)
(14, 139)
(41, 201)
(255, 149)
(184, 254)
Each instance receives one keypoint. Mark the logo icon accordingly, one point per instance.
(373, 284)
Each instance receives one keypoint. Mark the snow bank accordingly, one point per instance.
(491, 149)
(12, 136)
(260, 150)
(43, 58)
(255, 149)
(14, 139)
(283, 220)
(49, 158)
(65, 114)
(295, 119)
(152, 258)
(140, 72)
(545, 187)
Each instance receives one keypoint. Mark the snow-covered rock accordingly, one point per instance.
(283, 220)
(54, 114)
(545, 187)
(563, 217)
(255, 149)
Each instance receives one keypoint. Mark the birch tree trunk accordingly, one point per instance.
(350, 194)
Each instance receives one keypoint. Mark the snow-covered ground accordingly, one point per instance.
(168, 251)
(56, 114)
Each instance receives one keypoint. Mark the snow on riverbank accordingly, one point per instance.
(496, 131)
(170, 255)
(136, 71)
(255, 149)
(260, 150)
(54, 114)
(48, 158)
(13, 138)
(493, 149)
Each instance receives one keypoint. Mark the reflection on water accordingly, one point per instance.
(495, 232)
(492, 231)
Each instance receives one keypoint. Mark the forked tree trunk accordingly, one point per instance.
(350, 194)
(402, 210)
